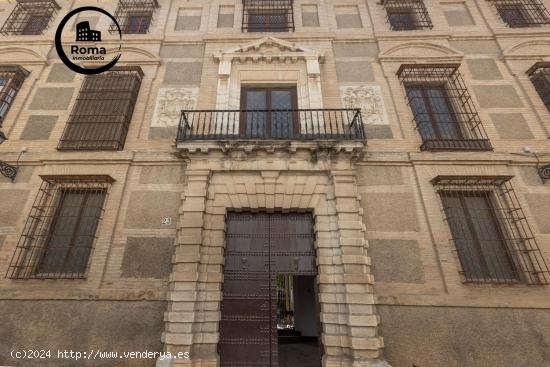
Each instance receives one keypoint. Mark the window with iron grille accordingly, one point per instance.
(103, 110)
(493, 240)
(540, 77)
(407, 15)
(268, 16)
(522, 13)
(60, 231)
(30, 17)
(134, 16)
(442, 108)
(11, 78)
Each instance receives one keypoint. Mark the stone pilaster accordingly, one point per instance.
(364, 342)
(183, 312)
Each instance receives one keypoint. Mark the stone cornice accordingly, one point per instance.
(261, 155)
(270, 146)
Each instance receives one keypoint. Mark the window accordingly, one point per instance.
(406, 15)
(522, 13)
(30, 17)
(134, 16)
(268, 16)
(442, 108)
(493, 240)
(138, 23)
(103, 110)
(59, 234)
(11, 78)
(269, 112)
(540, 77)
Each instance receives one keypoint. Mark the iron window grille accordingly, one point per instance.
(103, 110)
(30, 17)
(134, 16)
(540, 77)
(407, 15)
(522, 13)
(491, 235)
(443, 110)
(11, 79)
(268, 16)
(60, 231)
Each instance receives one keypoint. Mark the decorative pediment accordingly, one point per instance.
(421, 50)
(528, 49)
(267, 44)
(269, 50)
(21, 55)
(134, 55)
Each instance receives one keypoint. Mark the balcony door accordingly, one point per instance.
(269, 113)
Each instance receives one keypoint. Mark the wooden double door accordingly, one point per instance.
(259, 247)
(269, 112)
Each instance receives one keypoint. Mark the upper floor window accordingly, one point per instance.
(11, 78)
(268, 16)
(522, 13)
(30, 17)
(540, 77)
(103, 110)
(493, 240)
(59, 234)
(269, 112)
(134, 16)
(442, 108)
(407, 15)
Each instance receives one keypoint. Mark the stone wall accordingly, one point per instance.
(465, 337)
(138, 262)
(80, 326)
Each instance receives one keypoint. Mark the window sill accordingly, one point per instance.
(436, 145)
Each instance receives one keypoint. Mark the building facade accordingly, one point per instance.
(389, 159)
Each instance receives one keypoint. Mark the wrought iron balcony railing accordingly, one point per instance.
(287, 124)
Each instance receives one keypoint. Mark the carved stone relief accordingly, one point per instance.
(369, 99)
(170, 102)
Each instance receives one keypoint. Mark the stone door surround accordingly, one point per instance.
(216, 183)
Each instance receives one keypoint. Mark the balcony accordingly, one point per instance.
(278, 125)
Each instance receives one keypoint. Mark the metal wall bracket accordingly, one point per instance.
(8, 170)
(544, 172)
